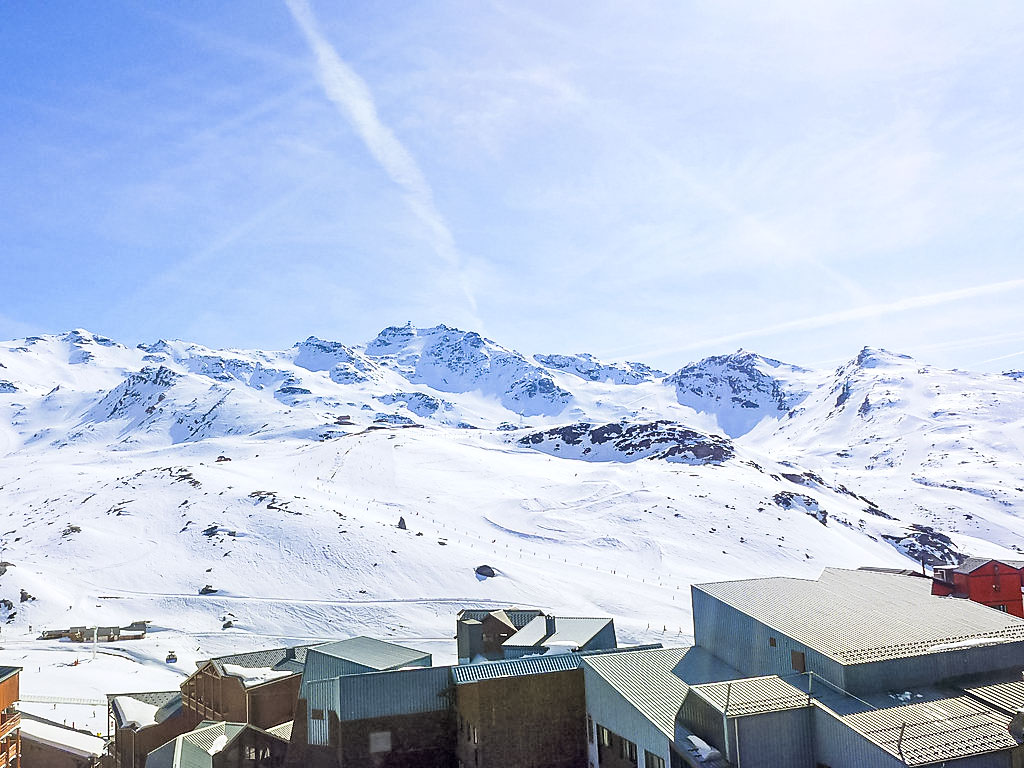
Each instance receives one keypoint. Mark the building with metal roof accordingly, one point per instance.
(995, 583)
(860, 630)
(561, 632)
(480, 633)
(219, 745)
(138, 723)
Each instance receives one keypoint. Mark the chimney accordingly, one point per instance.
(549, 626)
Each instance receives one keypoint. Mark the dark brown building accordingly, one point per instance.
(45, 743)
(533, 717)
(392, 719)
(482, 632)
(259, 688)
(138, 723)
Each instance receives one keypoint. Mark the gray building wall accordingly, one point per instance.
(704, 720)
(375, 695)
(931, 669)
(607, 707)
(772, 740)
(603, 640)
(744, 643)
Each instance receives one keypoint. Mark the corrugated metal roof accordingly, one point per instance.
(519, 617)
(372, 653)
(752, 696)
(971, 564)
(6, 672)
(528, 665)
(396, 692)
(861, 616)
(1007, 695)
(196, 748)
(569, 630)
(933, 731)
(290, 659)
(648, 680)
(282, 731)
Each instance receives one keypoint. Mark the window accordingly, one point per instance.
(627, 750)
(604, 736)
(380, 741)
(653, 761)
(771, 641)
(590, 729)
(1000, 607)
(476, 735)
(316, 714)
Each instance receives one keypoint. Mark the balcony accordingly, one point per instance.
(9, 720)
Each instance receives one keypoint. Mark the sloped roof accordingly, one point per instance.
(569, 630)
(516, 617)
(647, 679)
(144, 708)
(1003, 691)
(291, 659)
(752, 695)
(6, 672)
(282, 731)
(528, 665)
(971, 564)
(372, 653)
(60, 736)
(862, 616)
(934, 731)
(196, 748)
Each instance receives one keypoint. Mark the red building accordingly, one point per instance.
(995, 583)
(10, 719)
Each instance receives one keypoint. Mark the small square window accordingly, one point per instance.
(380, 741)
(771, 641)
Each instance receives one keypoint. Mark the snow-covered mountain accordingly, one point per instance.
(132, 478)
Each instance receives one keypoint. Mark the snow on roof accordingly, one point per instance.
(252, 676)
(144, 709)
(569, 630)
(66, 739)
(858, 616)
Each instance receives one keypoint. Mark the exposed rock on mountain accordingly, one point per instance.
(741, 389)
(587, 367)
(629, 442)
(450, 360)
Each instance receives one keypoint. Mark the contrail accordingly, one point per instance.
(866, 312)
(352, 96)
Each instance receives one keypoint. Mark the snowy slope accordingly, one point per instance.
(133, 478)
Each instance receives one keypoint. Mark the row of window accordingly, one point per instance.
(627, 749)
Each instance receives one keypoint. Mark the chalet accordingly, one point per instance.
(560, 633)
(51, 744)
(995, 583)
(138, 723)
(10, 718)
(343, 698)
(481, 633)
(222, 745)
(258, 688)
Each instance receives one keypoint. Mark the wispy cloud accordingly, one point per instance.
(866, 312)
(354, 100)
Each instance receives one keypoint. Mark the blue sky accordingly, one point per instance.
(652, 181)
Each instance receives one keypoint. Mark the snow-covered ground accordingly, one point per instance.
(133, 478)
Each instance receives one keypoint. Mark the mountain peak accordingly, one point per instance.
(876, 357)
